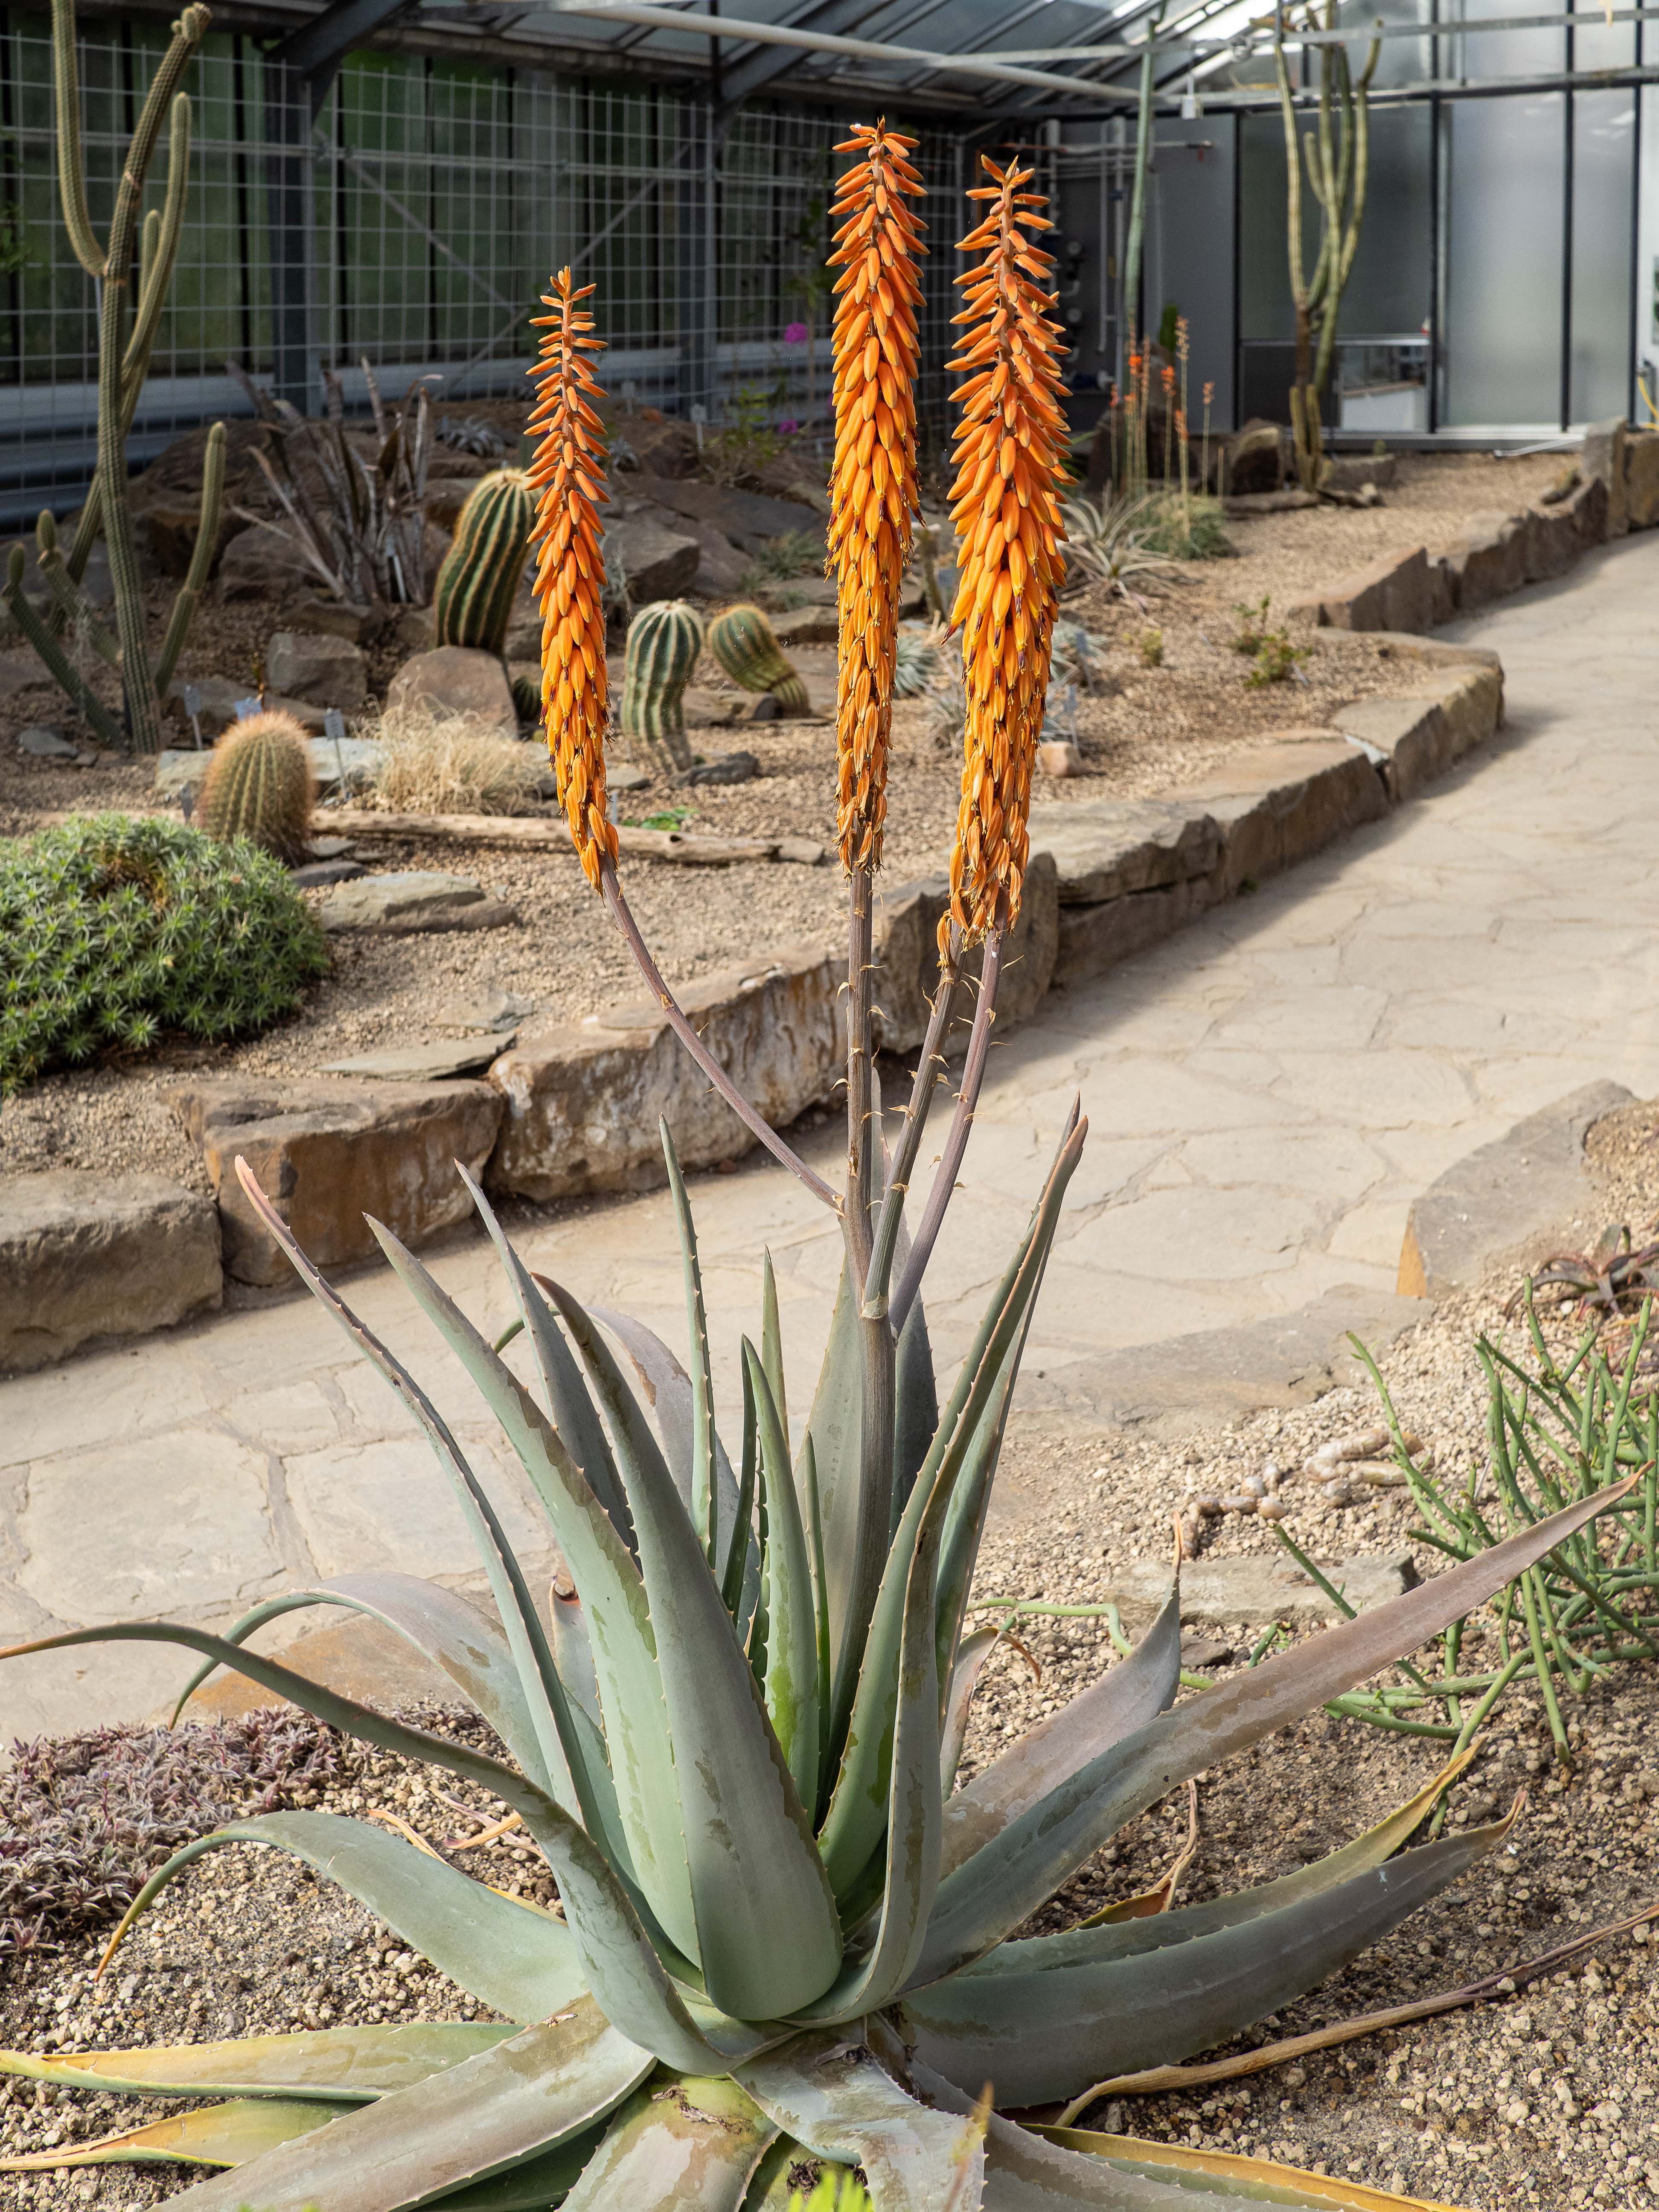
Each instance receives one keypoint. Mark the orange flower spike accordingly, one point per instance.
(1008, 453)
(569, 471)
(873, 481)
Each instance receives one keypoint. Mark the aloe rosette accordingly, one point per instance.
(787, 1937)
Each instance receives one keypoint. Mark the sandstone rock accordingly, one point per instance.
(1090, 939)
(1641, 479)
(82, 1256)
(327, 1153)
(723, 768)
(455, 679)
(491, 1009)
(581, 1105)
(906, 947)
(390, 901)
(1059, 756)
(1422, 731)
(721, 566)
(1394, 593)
(1603, 459)
(317, 617)
(1487, 563)
(708, 710)
(421, 1063)
(748, 518)
(318, 875)
(165, 499)
(331, 672)
(1106, 848)
(1553, 545)
(1589, 506)
(661, 445)
(20, 671)
(219, 697)
(260, 563)
(46, 741)
(1278, 802)
(806, 626)
(796, 592)
(414, 630)
(1353, 471)
(1253, 459)
(658, 564)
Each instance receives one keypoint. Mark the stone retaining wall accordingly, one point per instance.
(576, 1112)
(1497, 553)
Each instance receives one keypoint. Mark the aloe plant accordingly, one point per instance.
(787, 1937)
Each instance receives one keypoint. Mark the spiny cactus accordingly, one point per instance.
(743, 643)
(258, 784)
(472, 604)
(664, 640)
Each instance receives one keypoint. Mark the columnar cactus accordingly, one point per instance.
(664, 640)
(742, 641)
(478, 582)
(258, 784)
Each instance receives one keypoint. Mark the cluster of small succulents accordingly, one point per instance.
(115, 928)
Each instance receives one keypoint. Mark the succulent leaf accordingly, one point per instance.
(827, 2090)
(683, 2143)
(516, 1960)
(523, 2097)
(350, 2065)
(1021, 1867)
(1042, 2024)
(793, 1692)
(704, 1500)
(216, 2135)
(1124, 1699)
(972, 1652)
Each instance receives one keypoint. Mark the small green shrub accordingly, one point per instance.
(1276, 658)
(1252, 625)
(115, 928)
(1152, 648)
(1186, 528)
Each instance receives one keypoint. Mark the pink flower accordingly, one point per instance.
(794, 334)
(787, 429)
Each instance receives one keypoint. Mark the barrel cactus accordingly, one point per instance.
(664, 640)
(258, 784)
(743, 643)
(472, 603)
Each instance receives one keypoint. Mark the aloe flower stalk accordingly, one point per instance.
(788, 1939)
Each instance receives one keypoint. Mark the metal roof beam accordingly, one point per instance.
(740, 81)
(316, 52)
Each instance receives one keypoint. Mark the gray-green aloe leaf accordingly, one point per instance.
(526, 2095)
(987, 1895)
(351, 2064)
(827, 2090)
(1042, 2023)
(512, 1957)
(216, 2135)
(685, 2145)
(790, 1681)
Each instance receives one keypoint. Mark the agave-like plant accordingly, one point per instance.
(785, 1936)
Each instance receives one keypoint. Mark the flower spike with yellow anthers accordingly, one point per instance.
(872, 485)
(1008, 523)
(569, 472)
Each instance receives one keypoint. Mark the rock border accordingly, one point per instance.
(575, 1113)
(1419, 588)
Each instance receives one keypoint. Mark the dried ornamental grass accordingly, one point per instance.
(1012, 439)
(452, 764)
(872, 489)
(568, 473)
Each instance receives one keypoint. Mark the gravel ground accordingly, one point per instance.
(1547, 2099)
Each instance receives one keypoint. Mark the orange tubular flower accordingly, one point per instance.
(872, 487)
(569, 471)
(1009, 529)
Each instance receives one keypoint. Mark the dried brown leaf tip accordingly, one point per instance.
(1009, 532)
(872, 487)
(569, 474)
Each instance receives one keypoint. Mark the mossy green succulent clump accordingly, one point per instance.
(114, 927)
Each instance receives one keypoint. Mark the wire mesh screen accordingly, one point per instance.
(412, 222)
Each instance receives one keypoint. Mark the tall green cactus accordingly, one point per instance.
(258, 784)
(472, 604)
(123, 362)
(742, 641)
(664, 640)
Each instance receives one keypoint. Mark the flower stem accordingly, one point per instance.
(860, 1137)
(972, 1075)
(928, 1070)
(677, 1021)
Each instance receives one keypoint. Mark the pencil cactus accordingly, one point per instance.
(472, 602)
(123, 353)
(258, 784)
(744, 642)
(663, 641)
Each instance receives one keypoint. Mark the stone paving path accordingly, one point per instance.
(1268, 1091)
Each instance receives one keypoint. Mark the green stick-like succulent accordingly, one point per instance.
(746, 647)
(472, 599)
